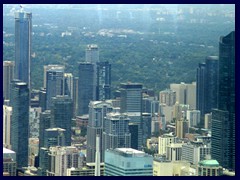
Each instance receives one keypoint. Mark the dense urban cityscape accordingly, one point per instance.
(87, 116)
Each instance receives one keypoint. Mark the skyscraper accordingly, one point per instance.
(167, 97)
(206, 85)
(223, 118)
(23, 46)
(48, 67)
(44, 123)
(116, 131)
(61, 158)
(103, 81)
(62, 114)
(55, 84)
(182, 126)
(131, 103)
(7, 116)
(54, 137)
(131, 97)
(193, 116)
(20, 121)
(97, 112)
(8, 75)
(92, 53)
(86, 87)
(185, 93)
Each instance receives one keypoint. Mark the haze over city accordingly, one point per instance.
(119, 89)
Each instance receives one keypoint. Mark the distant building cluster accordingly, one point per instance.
(77, 125)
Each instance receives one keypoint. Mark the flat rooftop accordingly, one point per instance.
(130, 151)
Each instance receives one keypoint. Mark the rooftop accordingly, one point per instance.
(129, 152)
(7, 151)
(210, 162)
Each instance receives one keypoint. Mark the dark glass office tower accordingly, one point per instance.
(223, 118)
(20, 121)
(86, 87)
(131, 97)
(23, 43)
(55, 84)
(207, 74)
(131, 103)
(103, 81)
(62, 114)
(44, 123)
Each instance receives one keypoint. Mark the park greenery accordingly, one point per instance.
(141, 48)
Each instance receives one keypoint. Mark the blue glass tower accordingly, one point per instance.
(20, 121)
(223, 118)
(23, 42)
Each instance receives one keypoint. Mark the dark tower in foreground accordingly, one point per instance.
(206, 85)
(20, 121)
(223, 118)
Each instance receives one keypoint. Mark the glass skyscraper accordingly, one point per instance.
(20, 121)
(55, 84)
(131, 103)
(223, 118)
(207, 85)
(86, 87)
(97, 113)
(62, 114)
(116, 131)
(23, 43)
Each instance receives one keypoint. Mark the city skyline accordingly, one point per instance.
(128, 95)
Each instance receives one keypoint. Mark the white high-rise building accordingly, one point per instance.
(61, 158)
(7, 115)
(174, 151)
(164, 141)
(185, 93)
(8, 74)
(167, 97)
(208, 121)
(195, 151)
